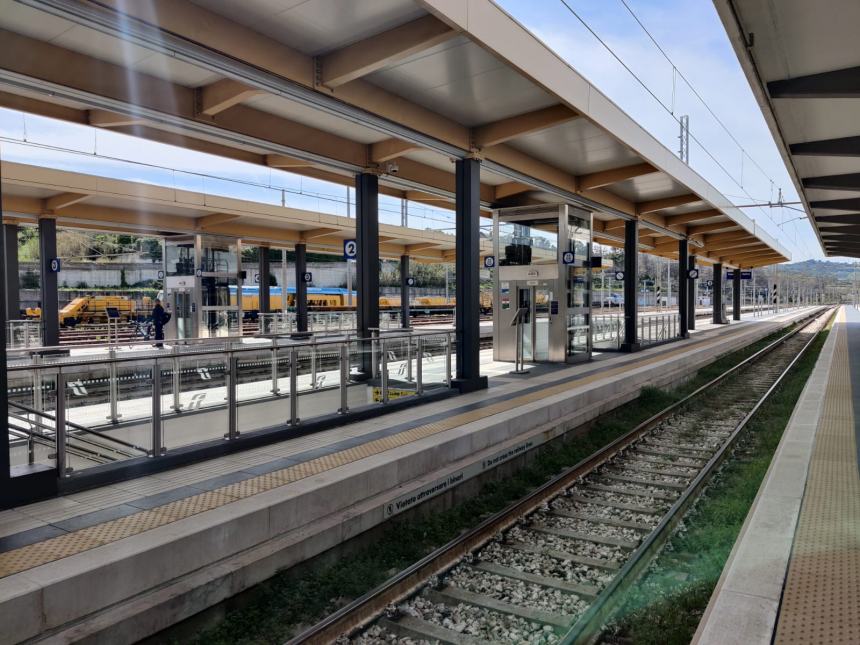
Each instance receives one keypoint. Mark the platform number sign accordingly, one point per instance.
(257, 278)
(567, 257)
(54, 265)
(489, 261)
(410, 281)
(161, 275)
(619, 275)
(693, 274)
(350, 249)
(307, 277)
(710, 283)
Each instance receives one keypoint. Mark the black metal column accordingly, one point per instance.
(468, 229)
(10, 262)
(50, 303)
(631, 281)
(265, 304)
(736, 294)
(717, 295)
(5, 475)
(301, 290)
(692, 300)
(683, 290)
(405, 320)
(367, 262)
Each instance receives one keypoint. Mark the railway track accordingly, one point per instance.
(552, 567)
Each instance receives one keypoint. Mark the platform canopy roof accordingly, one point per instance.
(802, 60)
(84, 201)
(328, 88)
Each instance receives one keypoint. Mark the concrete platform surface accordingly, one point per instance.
(793, 575)
(118, 563)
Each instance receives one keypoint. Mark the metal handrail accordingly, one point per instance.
(92, 360)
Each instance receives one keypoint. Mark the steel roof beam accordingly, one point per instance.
(383, 50)
(848, 218)
(842, 147)
(848, 181)
(838, 84)
(847, 204)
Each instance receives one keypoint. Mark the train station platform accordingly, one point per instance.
(793, 576)
(121, 562)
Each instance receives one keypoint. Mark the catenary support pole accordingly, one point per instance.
(468, 329)
(631, 280)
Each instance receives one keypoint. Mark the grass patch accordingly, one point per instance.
(283, 605)
(666, 605)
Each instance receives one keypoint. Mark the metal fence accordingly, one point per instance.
(78, 411)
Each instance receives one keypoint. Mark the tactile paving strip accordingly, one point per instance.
(63, 546)
(821, 599)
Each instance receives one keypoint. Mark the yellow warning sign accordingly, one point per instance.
(393, 393)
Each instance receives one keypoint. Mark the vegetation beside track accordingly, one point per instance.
(666, 605)
(282, 606)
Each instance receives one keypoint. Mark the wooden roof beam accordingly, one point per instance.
(492, 134)
(708, 228)
(511, 188)
(615, 175)
(686, 218)
(108, 119)
(316, 233)
(64, 200)
(383, 50)
(286, 162)
(389, 149)
(215, 219)
(221, 95)
(655, 205)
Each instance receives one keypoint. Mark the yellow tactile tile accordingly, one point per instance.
(821, 600)
(33, 555)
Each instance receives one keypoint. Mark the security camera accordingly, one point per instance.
(392, 168)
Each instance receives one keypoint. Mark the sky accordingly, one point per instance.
(689, 31)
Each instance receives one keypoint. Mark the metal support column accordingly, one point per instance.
(631, 280)
(692, 300)
(717, 295)
(301, 290)
(367, 262)
(10, 261)
(265, 302)
(5, 474)
(404, 292)
(50, 303)
(683, 290)
(467, 293)
(736, 294)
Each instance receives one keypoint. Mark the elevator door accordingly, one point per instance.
(183, 313)
(541, 299)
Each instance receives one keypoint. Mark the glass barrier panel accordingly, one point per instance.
(364, 377)
(400, 358)
(195, 409)
(258, 403)
(31, 433)
(434, 361)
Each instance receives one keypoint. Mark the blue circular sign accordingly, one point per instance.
(350, 249)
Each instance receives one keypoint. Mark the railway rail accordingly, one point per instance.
(552, 567)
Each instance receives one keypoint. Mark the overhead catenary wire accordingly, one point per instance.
(662, 104)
